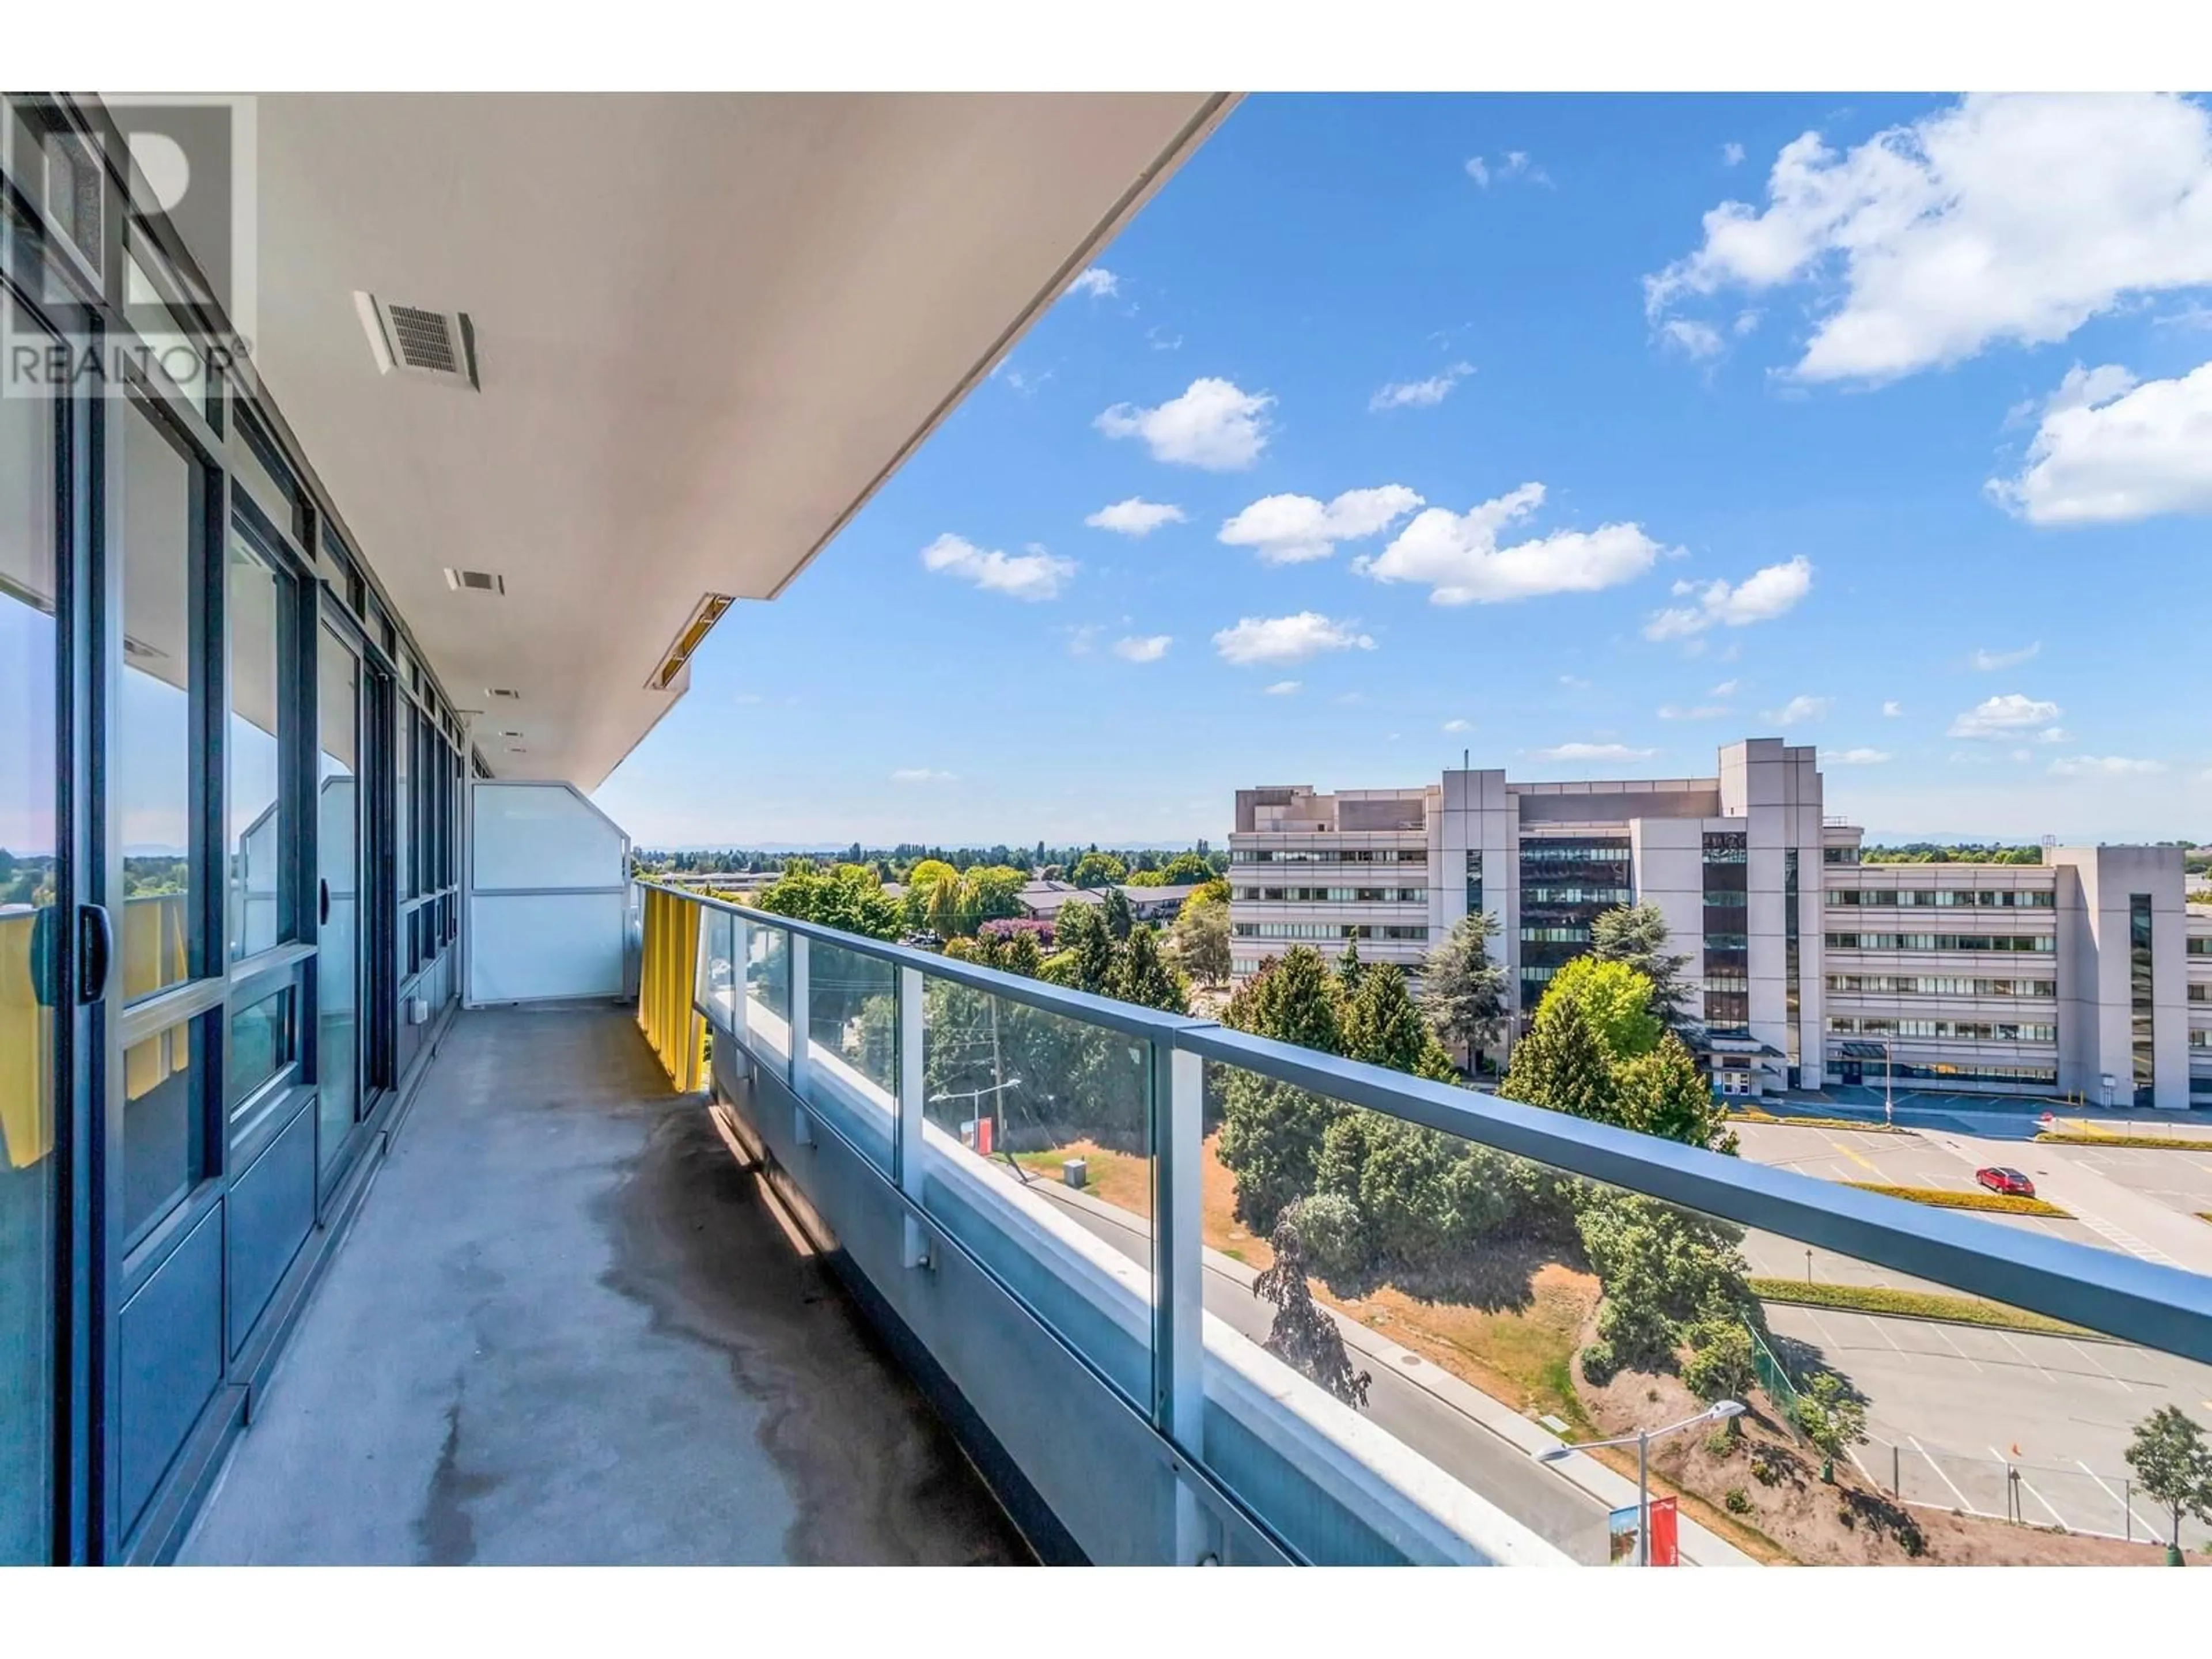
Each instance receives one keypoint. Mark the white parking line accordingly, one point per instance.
(2027, 1358)
(2120, 1238)
(2146, 1525)
(2013, 1472)
(1882, 1333)
(1954, 1347)
(2099, 1364)
(1944, 1478)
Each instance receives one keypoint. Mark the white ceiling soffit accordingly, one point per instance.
(706, 327)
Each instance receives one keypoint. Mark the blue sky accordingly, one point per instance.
(1900, 456)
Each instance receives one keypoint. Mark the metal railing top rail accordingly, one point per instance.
(1133, 1018)
(2160, 1307)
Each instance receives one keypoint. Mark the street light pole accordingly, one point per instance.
(1889, 1083)
(1642, 1498)
(1719, 1412)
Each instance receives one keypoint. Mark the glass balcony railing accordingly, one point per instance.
(1477, 1287)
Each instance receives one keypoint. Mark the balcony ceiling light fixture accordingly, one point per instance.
(704, 616)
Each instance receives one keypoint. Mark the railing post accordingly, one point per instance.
(795, 1025)
(1179, 1281)
(906, 1152)
(741, 956)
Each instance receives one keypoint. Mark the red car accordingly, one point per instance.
(1998, 1179)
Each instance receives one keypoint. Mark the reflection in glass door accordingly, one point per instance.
(339, 889)
(29, 849)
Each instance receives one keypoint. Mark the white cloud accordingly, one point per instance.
(1134, 517)
(1703, 711)
(1214, 424)
(1854, 757)
(1285, 688)
(1574, 683)
(1457, 555)
(1761, 597)
(1731, 154)
(1420, 394)
(1293, 529)
(1034, 574)
(2133, 452)
(1695, 339)
(1514, 164)
(920, 774)
(1026, 385)
(2000, 217)
(2103, 766)
(2008, 716)
(1459, 725)
(1098, 282)
(1145, 648)
(1893, 709)
(1989, 662)
(1594, 751)
(1287, 639)
(1725, 689)
(1796, 711)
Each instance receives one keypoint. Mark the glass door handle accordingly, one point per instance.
(95, 934)
(323, 905)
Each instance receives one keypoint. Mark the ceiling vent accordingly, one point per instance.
(502, 691)
(419, 342)
(704, 615)
(475, 581)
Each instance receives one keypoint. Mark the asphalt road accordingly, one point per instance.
(1420, 1418)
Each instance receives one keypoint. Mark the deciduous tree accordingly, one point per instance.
(1199, 938)
(1636, 934)
(2170, 1458)
(1616, 998)
(1303, 1336)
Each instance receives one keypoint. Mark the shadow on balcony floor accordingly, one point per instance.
(567, 1329)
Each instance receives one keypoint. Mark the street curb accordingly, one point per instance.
(1957, 1324)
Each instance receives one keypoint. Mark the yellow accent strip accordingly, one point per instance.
(667, 975)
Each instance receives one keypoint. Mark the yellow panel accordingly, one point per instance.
(26, 1102)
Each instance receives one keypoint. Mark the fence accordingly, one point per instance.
(2078, 1499)
(1774, 1377)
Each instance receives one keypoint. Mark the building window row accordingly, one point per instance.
(2200, 1039)
(1328, 855)
(1940, 985)
(1943, 898)
(1965, 1031)
(1535, 850)
(1608, 896)
(2200, 947)
(1337, 894)
(1326, 930)
(1555, 935)
(1727, 846)
(1728, 901)
(1839, 855)
(2034, 1076)
(2200, 994)
(2042, 943)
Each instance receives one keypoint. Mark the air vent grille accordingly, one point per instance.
(419, 341)
(423, 342)
(475, 581)
(502, 691)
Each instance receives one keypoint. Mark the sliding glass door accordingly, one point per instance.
(340, 715)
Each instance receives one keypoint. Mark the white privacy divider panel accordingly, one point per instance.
(548, 884)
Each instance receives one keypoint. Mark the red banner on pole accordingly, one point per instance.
(1665, 1552)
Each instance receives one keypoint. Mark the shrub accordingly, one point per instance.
(1334, 1233)
(1719, 1366)
(1599, 1363)
(1945, 1197)
(1737, 1501)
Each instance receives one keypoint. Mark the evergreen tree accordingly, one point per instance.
(1664, 1093)
(1303, 1336)
(1119, 918)
(1086, 948)
(1382, 1025)
(1271, 1131)
(1020, 955)
(1348, 968)
(1561, 1064)
(1637, 935)
(1141, 975)
(1463, 990)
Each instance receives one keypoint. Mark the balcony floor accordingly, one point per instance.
(567, 1329)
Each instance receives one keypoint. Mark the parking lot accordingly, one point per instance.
(1998, 1423)
(2181, 1180)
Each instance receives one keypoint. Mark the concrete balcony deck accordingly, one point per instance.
(569, 1329)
